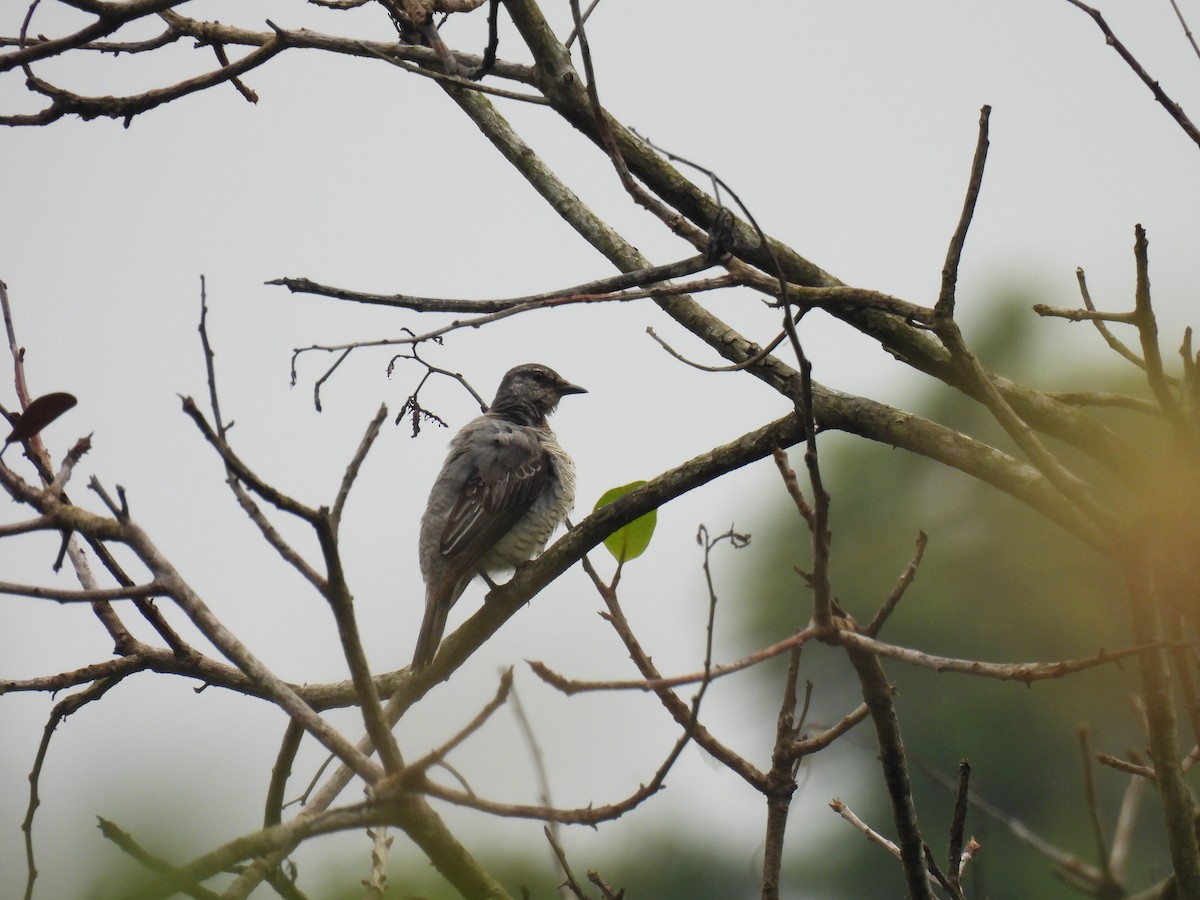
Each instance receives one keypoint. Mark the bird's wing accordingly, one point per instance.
(506, 470)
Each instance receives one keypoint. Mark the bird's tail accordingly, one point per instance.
(432, 627)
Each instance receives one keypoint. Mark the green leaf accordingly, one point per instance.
(630, 541)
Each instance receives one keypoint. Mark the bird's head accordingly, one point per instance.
(529, 393)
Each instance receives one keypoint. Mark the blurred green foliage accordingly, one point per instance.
(998, 583)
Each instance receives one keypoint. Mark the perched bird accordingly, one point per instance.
(505, 486)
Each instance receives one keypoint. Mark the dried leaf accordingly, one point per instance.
(40, 413)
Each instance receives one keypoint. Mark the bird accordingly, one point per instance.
(504, 488)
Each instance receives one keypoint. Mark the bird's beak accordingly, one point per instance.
(567, 388)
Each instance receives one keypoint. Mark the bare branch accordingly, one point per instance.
(1147, 327)
(1123, 833)
(1130, 768)
(134, 850)
(110, 17)
(418, 769)
(65, 102)
(574, 686)
(62, 709)
(243, 472)
(599, 289)
(792, 485)
(169, 36)
(537, 758)
(685, 715)
(341, 603)
(272, 536)
(561, 856)
(264, 841)
(1084, 315)
(754, 360)
(1093, 804)
(945, 301)
(589, 815)
(1023, 672)
(281, 771)
(62, 595)
(893, 599)
(1118, 401)
(1183, 24)
(876, 838)
(805, 746)
(869, 833)
(234, 650)
(355, 465)
(1173, 108)
(877, 694)
(457, 80)
(1067, 862)
(707, 284)
(958, 823)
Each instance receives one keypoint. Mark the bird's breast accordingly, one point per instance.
(528, 537)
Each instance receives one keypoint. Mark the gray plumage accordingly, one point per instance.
(505, 486)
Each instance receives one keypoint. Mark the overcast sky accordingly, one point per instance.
(847, 128)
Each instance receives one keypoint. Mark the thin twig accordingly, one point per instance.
(63, 102)
(1130, 768)
(95, 595)
(575, 31)
(1093, 804)
(654, 292)
(438, 754)
(1066, 861)
(945, 301)
(576, 686)
(1147, 326)
(1084, 315)
(878, 695)
(822, 537)
(289, 746)
(1023, 672)
(893, 599)
(242, 472)
(341, 603)
(355, 465)
(61, 710)
(600, 288)
(792, 485)
(1113, 401)
(446, 78)
(1123, 832)
(684, 714)
(805, 746)
(1173, 108)
(752, 360)
(608, 139)
(1186, 30)
(572, 884)
(131, 848)
(534, 749)
(958, 823)
(944, 325)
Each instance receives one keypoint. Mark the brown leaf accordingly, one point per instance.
(40, 413)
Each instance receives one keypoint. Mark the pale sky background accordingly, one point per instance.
(847, 127)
